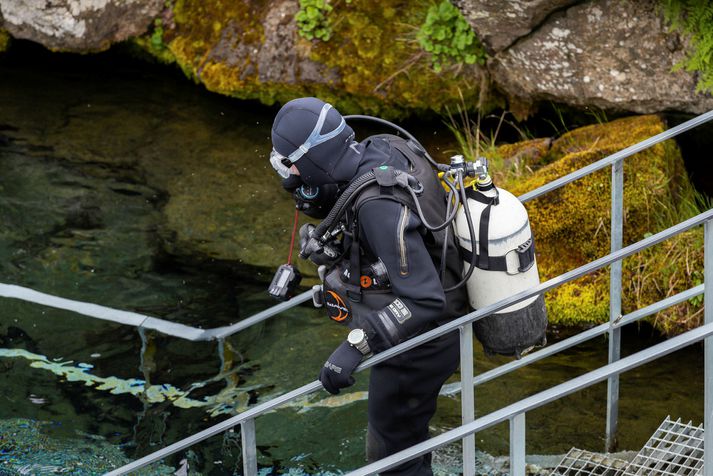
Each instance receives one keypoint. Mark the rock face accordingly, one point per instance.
(78, 25)
(607, 53)
(499, 24)
(611, 54)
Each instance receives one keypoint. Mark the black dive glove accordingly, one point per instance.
(337, 370)
(314, 250)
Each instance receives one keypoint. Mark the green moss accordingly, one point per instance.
(669, 268)
(381, 65)
(372, 57)
(577, 304)
(571, 225)
(154, 45)
(4, 40)
(695, 19)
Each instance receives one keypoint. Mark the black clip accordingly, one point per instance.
(526, 255)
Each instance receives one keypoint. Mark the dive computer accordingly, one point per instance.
(357, 339)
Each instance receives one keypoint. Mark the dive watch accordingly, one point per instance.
(357, 339)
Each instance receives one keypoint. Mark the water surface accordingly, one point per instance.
(115, 181)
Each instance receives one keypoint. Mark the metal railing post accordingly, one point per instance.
(467, 396)
(247, 431)
(617, 233)
(517, 445)
(708, 351)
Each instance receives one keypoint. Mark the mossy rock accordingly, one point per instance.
(4, 40)
(572, 224)
(371, 63)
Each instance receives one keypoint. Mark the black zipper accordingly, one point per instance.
(403, 252)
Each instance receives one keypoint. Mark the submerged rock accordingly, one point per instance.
(29, 447)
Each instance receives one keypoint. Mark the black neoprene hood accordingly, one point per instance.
(323, 163)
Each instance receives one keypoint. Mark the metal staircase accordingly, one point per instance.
(515, 413)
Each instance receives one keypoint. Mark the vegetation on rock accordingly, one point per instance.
(694, 18)
(365, 57)
(312, 19)
(4, 40)
(448, 37)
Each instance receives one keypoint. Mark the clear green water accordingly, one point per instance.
(95, 152)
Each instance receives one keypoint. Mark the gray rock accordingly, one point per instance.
(606, 53)
(77, 25)
(499, 24)
(279, 58)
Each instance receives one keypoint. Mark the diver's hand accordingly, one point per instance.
(337, 370)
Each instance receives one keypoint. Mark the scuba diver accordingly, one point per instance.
(386, 274)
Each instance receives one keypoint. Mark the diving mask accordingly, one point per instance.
(282, 164)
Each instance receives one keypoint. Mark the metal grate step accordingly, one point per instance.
(584, 463)
(675, 449)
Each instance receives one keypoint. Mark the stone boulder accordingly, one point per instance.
(499, 24)
(78, 25)
(605, 53)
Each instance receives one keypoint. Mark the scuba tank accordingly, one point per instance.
(504, 264)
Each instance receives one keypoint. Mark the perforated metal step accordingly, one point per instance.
(674, 449)
(584, 463)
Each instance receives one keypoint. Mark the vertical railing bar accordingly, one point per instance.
(467, 396)
(517, 445)
(247, 431)
(617, 233)
(708, 352)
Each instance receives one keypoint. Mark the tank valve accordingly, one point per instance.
(479, 168)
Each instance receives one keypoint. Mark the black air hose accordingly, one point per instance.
(449, 218)
(471, 230)
(349, 194)
(434, 164)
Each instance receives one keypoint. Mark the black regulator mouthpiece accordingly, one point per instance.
(285, 282)
(315, 202)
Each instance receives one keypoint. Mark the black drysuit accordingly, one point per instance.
(403, 390)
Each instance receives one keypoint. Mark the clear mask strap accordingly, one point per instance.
(315, 138)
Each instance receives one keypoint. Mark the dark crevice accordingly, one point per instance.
(695, 146)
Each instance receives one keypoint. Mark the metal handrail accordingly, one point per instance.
(540, 399)
(147, 322)
(577, 339)
(420, 339)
